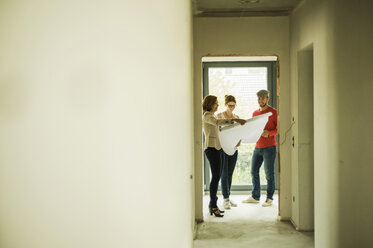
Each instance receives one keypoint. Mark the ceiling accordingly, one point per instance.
(243, 7)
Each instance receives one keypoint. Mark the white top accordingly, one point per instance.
(221, 115)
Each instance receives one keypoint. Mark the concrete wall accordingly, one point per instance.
(243, 36)
(340, 32)
(95, 124)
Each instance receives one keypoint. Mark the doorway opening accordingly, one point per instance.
(242, 79)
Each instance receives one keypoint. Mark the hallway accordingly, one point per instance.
(101, 122)
(249, 225)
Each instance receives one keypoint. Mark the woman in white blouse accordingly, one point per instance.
(213, 149)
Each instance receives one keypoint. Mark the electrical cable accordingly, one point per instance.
(292, 124)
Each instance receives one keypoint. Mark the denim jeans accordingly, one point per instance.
(268, 155)
(229, 163)
(215, 158)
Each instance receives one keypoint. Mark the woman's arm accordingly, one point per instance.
(210, 119)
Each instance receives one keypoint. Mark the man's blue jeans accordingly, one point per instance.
(229, 162)
(268, 156)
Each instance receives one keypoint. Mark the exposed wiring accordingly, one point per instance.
(292, 124)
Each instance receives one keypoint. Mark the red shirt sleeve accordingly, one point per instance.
(271, 126)
(273, 131)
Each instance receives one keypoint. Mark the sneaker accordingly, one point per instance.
(250, 200)
(267, 203)
(227, 204)
(233, 204)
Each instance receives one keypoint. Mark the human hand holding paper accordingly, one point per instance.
(265, 134)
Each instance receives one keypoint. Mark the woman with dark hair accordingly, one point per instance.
(229, 162)
(213, 149)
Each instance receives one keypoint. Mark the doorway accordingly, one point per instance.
(241, 79)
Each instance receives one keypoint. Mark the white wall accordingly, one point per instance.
(243, 36)
(302, 215)
(95, 124)
(340, 32)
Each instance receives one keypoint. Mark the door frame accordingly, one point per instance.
(271, 86)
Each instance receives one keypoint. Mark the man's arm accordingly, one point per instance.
(272, 132)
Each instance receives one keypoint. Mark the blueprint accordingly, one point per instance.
(250, 132)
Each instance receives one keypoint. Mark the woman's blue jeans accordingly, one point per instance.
(229, 163)
(268, 156)
(215, 159)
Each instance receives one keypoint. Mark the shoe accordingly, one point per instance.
(267, 203)
(250, 200)
(216, 212)
(221, 211)
(233, 204)
(227, 204)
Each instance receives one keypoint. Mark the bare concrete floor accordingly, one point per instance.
(249, 225)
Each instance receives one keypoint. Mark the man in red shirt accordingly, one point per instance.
(265, 151)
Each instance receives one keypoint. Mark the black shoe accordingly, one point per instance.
(221, 211)
(216, 212)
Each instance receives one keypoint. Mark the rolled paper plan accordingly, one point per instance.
(250, 132)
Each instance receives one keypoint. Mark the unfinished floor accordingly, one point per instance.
(249, 225)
